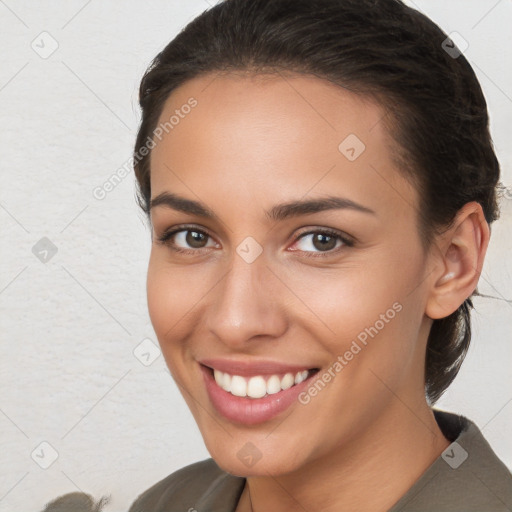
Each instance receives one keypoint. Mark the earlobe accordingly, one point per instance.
(461, 257)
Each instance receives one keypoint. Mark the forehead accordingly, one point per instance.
(257, 137)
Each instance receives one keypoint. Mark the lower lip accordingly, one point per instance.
(250, 411)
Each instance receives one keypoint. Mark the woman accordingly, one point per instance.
(320, 181)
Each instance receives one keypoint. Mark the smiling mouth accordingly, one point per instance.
(259, 386)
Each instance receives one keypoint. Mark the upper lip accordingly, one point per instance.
(252, 368)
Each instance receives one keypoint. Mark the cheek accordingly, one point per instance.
(171, 293)
(363, 314)
(346, 300)
(377, 319)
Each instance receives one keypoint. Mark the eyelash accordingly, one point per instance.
(165, 239)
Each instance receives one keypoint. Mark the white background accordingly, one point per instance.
(69, 326)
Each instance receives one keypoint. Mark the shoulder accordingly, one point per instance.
(198, 485)
(467, 476)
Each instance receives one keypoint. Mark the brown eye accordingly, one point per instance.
(320, 241)
(186, 239)
(195, 239)
(323, 242)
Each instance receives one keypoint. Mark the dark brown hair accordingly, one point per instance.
(380, 48)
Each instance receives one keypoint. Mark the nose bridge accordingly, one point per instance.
(243, 305)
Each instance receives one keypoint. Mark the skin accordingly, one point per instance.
(256, 141)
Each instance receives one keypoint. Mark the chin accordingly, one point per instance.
(264, 466)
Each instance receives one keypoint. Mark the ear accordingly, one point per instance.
(460, 258)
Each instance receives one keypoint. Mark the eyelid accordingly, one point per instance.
(329, 231)
(348, 241)
(167, 234)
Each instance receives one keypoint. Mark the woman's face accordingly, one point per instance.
(258, 282)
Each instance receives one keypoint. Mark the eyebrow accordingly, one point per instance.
(278, 212)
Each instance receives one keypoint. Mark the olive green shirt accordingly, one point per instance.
(468, 477)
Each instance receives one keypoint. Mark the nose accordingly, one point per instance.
(245, 304)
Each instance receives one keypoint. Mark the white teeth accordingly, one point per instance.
(301, 376)
(218, 377)
(238, 386)
(257, 387)
(226, 382)
(287, 381)
(273, 385)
